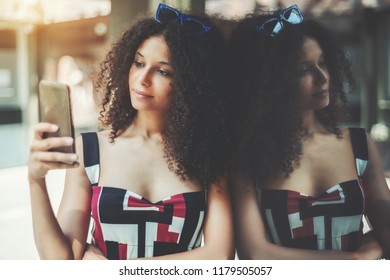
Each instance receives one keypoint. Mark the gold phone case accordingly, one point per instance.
(55, 108)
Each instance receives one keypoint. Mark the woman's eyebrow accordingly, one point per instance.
(164, 63)
(160, 62)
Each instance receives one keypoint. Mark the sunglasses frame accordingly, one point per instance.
(181, 18)
(280, 18)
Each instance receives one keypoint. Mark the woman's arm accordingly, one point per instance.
(251, 239)
(63, 237)
(377, 198)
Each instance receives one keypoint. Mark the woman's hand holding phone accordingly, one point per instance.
(41, 159)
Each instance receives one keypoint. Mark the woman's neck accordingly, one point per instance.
(148, 125)
(311, 125)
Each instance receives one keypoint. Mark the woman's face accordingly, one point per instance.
(151, 76)
(313, 77)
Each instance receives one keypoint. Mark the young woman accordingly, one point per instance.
(301, 182)
(154, 180)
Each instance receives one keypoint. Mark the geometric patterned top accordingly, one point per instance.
(127, 225)
(331, 221)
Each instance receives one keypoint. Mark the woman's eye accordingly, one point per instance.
(302, 70)
(138, 64)
(165, 73)
(322, 64)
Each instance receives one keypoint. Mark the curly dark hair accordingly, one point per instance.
(195, 133)
(269, 132)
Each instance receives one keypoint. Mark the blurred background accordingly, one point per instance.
(63, 40)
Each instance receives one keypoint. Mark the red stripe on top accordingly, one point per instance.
(97, 233)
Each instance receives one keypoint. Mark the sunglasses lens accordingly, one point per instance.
(165, 15)
(194, 26)
(275, 24)
(272, 26)
(293, 16)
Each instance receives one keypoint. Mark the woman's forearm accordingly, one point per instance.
(49, 239)
(369, 250)
(201, 253)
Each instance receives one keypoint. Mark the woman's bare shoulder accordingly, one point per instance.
(104, 133)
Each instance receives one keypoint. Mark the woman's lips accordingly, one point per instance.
(322, 93)
(141, 94)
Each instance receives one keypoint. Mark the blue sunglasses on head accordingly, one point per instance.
(166, 14)
(272, 27)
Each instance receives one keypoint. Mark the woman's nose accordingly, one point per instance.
(322, 76)
(145, 78)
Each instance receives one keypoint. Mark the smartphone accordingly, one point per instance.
(55, 107)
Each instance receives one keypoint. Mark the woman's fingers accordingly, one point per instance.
(50, 143)
(54, 157)
(60, 165)
(45, 144)
(41, 162)
(41, 128)
(41, 159)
